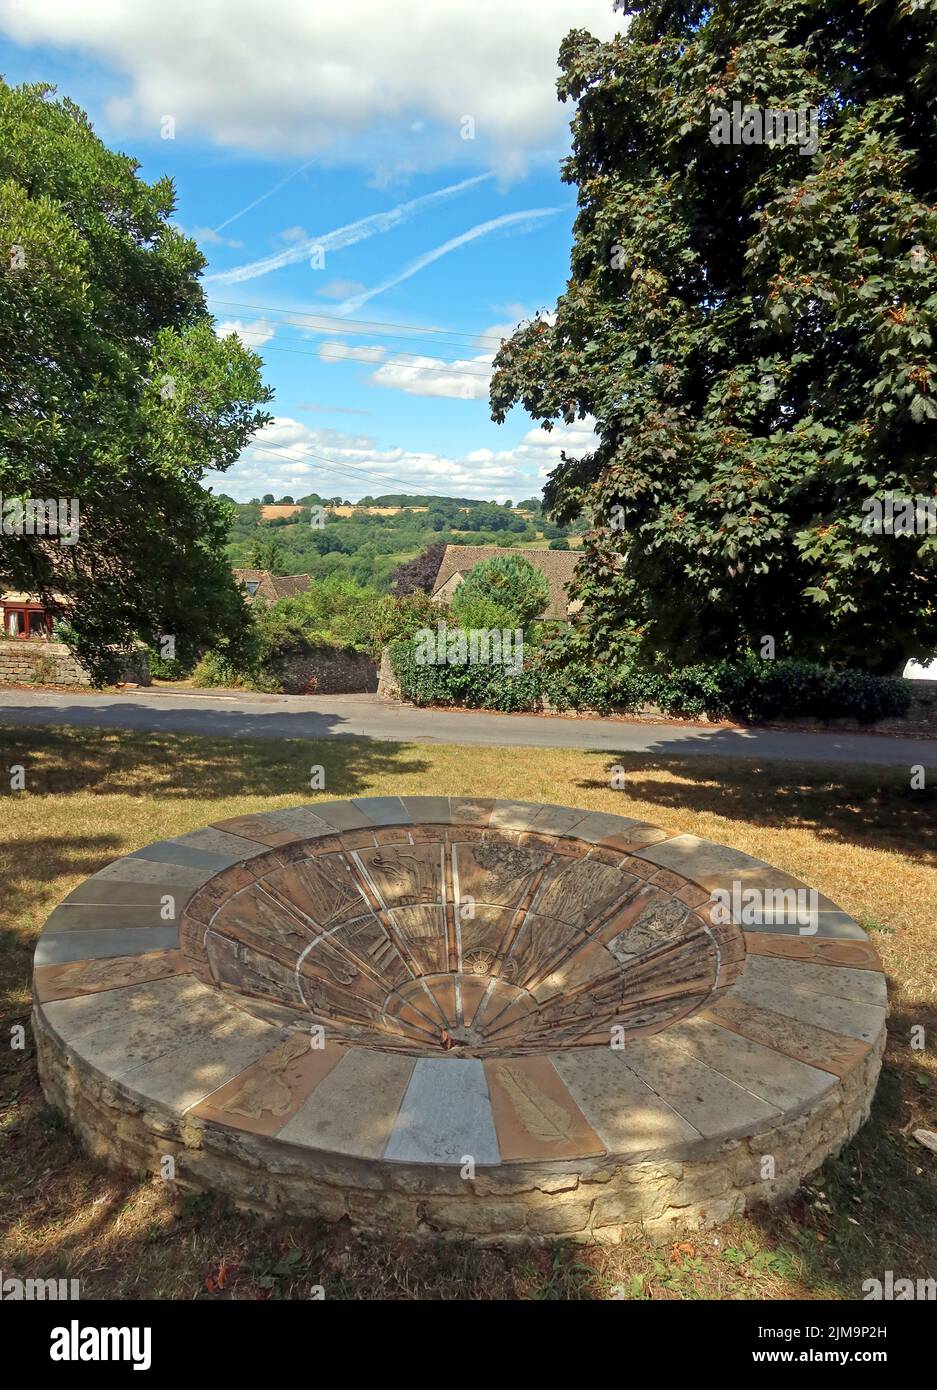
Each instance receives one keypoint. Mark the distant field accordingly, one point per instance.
(273, 513)
(373, 511)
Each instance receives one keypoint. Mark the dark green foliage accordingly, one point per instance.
(476, 686)
(752, 328)
(419, 574)
(505, 591)
(750, 691)
(114, 390)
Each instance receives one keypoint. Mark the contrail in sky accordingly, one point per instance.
(348, 235)
(519, 220)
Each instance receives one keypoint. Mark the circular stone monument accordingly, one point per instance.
(460, 1016)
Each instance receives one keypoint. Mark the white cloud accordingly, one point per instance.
(253, 334)
(209, 236)
(464, 379)
(364, 79)
(288, 456)
(341, 289)
(351, 352)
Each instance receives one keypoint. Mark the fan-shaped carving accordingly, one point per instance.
(453, 939)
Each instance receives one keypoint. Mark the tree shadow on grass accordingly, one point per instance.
(51, 858)
(866, 805)
(181, 766)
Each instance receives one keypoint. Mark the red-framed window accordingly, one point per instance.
(24, 620)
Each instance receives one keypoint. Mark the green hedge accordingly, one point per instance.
(478, 687)
(749, 691)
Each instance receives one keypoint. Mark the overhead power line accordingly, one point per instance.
(480, 375)
(358, 325)
(339, 356)
(349, 469)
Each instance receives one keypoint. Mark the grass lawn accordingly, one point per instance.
(861, 835)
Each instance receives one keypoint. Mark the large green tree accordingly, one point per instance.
(114, 390)
(752, 327)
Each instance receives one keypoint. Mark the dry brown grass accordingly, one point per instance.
(860, 835)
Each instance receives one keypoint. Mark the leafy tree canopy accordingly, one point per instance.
(420, 573)
(752, 327)
(506, 583)
(114, 389)
(266, 555)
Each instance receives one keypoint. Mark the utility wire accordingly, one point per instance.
(359, 325)
(350, 469)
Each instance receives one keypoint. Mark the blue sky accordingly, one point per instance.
(376, 188)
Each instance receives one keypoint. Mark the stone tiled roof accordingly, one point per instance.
(557, 566)
(273, 586)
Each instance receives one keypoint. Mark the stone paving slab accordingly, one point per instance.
(806, 1042)
(699, 859)
(445, 1116)
(262, 832)
(262, 1098)
(190, 856)
(862, 986)
(173, 1039)
(843, 1016)
(343, 815)
(70, 917)
(708, 1100)
(829, 924)
(535, 1116)
(233, 848)
(170, 877)
(780, 1081)
(557, 820)
(207, 1058)
(113, 892)
(466, 963)
(383, 810)
(74, 978)
(303, 819)
(55, 948)
(515, 815)
(427, 810)
(354, 1109)
(854, 954)
(150, 1004)
(624, 1111)
(597, 826)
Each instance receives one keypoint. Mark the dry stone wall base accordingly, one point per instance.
(51, 663)
(710, 1100)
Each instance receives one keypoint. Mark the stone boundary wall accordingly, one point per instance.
(327, 671)
(28, 662)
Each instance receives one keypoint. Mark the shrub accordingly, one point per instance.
(215, 669)
(475, 686)
(749, 691)
(509, 582)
